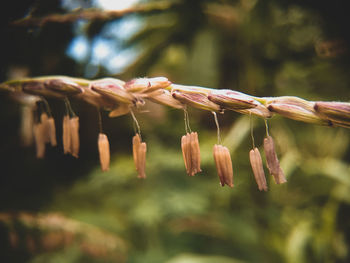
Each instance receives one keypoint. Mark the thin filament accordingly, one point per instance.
(267, 128)
(136, 122)
(187, 121)
(69, 109)
(217, 126)
(99, 119)
(47, 107)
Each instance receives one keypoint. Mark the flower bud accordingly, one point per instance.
(103, 150)
(113, 89)
(223, 163)
(166, 99)
(232, 100)
(337, 112)
(296, 109)
(194, 96)
(272, 162)
(258, 170)
(146, 85)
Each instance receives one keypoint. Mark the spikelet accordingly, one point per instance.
(74, 135)
(272, 162)
(103, 150)
(191, 153)
(139, 150)
(66, 137)
(39, 136)
(258, 170)
(223, 164)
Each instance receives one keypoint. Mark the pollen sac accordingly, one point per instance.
(258, 170)
(70, 136)
(40, 137)
(272, 161)
(74, 135)
(223, 164)
(104, 152)
(191, 153)
(66, 135)
(52, 131)
(139, 150)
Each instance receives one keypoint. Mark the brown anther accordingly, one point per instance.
(223, 164)
(52, 131)
(272, 161)
(258, 170)
(66, 137)
(139, 153)
(103, 150)
(74, 135)
(39, 135)
(191, 153)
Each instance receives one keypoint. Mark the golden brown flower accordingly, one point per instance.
(191, 153)
(139, 150)
(223, 163)
(272, 162)
(258, 170)
(103, 150)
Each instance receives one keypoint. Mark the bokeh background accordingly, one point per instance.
(62, 209)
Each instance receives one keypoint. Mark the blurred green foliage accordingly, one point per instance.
(263, 48)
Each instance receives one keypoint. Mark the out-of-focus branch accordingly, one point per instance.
(94, 14)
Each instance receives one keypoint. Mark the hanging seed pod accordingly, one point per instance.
(272, 161)
(223, 164)
(66, 137)
(139, 154)
(46, 128)
(103, 150)
(142, 160)
(191, 153)
(74, 135)
(52, 131)
(258, 170)
(39, 136)
(195, 154)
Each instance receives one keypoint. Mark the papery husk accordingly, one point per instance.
(258, 169)
(104, 151)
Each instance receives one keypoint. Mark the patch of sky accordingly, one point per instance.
(78, 48)
(114, 4)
